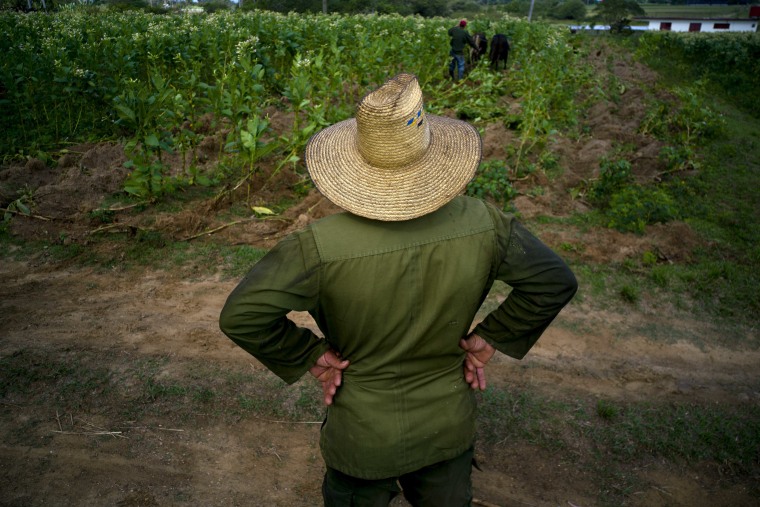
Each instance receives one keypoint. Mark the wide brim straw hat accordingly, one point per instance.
(393, 161)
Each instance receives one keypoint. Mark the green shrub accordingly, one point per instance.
(726, 62)
(630, 293)
(606, 410)
(216, 5)
(685, 125)
(626, 206)
(491, 182)
(614, 175)
(128, 5)
(635, 207)
(571, 9)
(464, 6)
(649, 258)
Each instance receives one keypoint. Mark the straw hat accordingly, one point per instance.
(393, 161)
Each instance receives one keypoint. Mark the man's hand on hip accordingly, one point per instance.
(329, 371)
(479, 352)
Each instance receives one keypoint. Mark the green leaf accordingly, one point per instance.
(248, 141)
(151, 140)
(259, 210)
(166, 146)
(125, 113)
(262, 125)
(135, 190)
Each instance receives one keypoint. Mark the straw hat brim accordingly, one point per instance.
(400, 193)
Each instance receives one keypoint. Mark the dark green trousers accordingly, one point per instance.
(444, 484)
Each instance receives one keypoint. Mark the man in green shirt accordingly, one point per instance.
(394, 284)
(460, 37)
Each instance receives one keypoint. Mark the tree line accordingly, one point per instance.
(556, 9)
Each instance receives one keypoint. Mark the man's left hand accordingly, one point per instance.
(479, 352)
(329, 371)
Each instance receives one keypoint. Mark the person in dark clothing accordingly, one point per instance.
(460, 37)
(394, 284)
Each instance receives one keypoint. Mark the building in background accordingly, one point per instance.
(672, 24)
(701, 25)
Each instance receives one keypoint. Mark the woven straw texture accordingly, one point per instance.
(393, 162)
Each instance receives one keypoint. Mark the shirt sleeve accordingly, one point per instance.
(255, 314)
(471, 41)
(542, 285)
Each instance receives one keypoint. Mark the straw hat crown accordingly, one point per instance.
(392, 161)
(391, 124)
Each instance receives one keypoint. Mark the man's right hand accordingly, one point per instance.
(479, 352)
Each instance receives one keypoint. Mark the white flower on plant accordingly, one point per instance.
(247, 46)
(300, 62)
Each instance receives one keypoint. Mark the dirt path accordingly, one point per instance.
(112, 320)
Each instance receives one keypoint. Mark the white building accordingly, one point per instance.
(701, 25)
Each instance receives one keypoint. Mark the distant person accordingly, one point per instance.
(459, 38)
(394, 284)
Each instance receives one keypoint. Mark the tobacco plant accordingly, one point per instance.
(147, 78)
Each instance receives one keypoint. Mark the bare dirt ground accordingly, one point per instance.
(91, 452)
(79, 345)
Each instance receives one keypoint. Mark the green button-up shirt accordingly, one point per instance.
(395, 298)
(459, 39)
